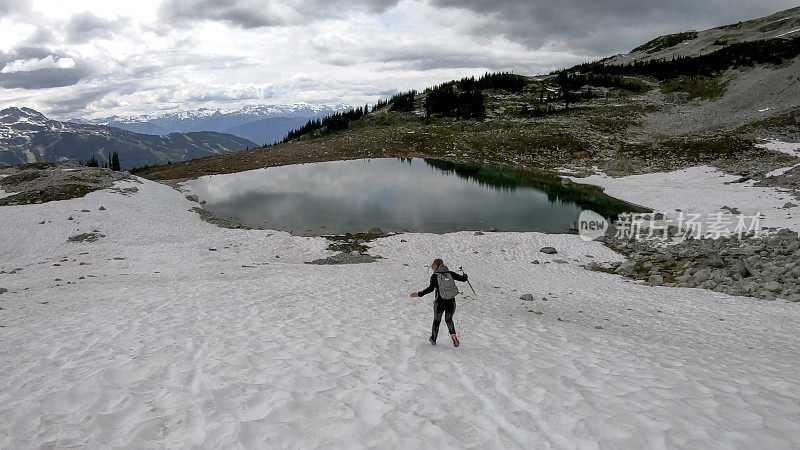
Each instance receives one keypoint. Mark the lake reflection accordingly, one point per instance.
(396, 195)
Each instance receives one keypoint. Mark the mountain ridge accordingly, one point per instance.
(27, 135)
(263, 124)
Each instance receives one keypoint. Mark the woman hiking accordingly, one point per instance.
(446, 291)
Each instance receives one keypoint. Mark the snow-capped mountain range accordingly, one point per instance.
(26, 135)
(262, 124)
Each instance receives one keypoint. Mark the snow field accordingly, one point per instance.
(177, 345)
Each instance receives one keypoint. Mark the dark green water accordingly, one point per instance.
(399, 195)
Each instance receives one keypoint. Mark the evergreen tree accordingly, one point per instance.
(115, 162)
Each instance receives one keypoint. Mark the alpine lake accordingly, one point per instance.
(401, 195)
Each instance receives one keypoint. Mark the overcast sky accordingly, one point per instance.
(95, 58)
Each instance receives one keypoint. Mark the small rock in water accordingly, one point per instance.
(192, 198)
(549, 250)
(527, 297)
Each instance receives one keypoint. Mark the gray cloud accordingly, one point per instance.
(609, 26)
(42, 75)
(40, 79)
(263, 13)
(12, 6)
(85, 26)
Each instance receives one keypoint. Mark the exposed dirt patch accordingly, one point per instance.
(46, 182)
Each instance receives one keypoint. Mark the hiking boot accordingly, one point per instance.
(455, 340)
(432, 340)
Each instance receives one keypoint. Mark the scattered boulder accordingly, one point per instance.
(527, 297)
(548, 250)
(535, 261)
(715, 260)
(85, 237)
(593, 266)
(101, 208)
(3, 290)
(346, 258)
(655, 280)
(478, 233)
(788, 205)
(773, 286)
(627, 268)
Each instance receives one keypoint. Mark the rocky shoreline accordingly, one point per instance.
(763, 267)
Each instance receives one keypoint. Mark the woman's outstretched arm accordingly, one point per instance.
(428, 289)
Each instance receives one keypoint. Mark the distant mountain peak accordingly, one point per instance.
(262, 124)
(26, 135)
(24, 114)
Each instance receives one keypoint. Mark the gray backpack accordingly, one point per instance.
(447, 285)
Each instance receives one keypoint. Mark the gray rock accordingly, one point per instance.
(85, 237)
(3, 290)
(594, 266)
(346, 258)
(627, 268)
(102, 208)
(193, 198)
(548, 250)
(478, 233)
(655, 280)
(738, 267)
(715, 260)
(535, 261)
(527, 297)
(773, 286)
(788, 205)
(751, 269)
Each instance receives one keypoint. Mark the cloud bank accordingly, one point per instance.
(98, 58)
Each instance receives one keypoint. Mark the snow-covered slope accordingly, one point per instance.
(171, 332)
(704, 190)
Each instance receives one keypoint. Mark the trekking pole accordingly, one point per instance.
(470, 284)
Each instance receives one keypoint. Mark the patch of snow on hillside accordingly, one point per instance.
(701, 189)
(789, 148)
